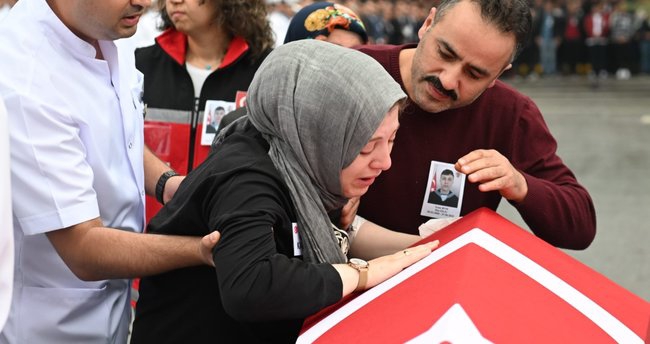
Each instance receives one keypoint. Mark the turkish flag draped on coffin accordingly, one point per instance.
(490, 281)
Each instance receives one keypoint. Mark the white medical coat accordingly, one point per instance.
(76, 135)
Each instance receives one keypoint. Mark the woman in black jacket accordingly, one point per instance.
(320, 126)
(206, 57)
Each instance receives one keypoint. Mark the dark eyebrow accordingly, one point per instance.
(452, 52)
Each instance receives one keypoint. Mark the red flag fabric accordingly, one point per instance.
(488, 282)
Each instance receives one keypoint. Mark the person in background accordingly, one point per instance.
(458, 112)
(621, 30)
(372, 16)
(548, 36)
(526, 64)
(209, 51)
(643, 36)
(571, 53)
(79, 172)
(403, 22)
(327, 21)
(6, 224)
(309, 143)
(280, 13)
(596, 27)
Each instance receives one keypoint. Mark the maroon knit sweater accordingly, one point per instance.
(557, 208)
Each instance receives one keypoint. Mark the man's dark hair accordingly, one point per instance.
(447, 172)
(507, 15)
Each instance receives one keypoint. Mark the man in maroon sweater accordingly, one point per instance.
(460, 114)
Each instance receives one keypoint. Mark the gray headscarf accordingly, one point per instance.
(318, 104)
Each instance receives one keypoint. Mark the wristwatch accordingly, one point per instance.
(160, 186)
(361, 266)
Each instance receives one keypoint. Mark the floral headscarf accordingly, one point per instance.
(321, 18)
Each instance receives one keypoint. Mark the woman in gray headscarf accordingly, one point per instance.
(320, 128)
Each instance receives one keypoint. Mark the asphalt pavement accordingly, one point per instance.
(603, 135)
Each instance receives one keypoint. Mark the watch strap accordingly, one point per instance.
(160, 185)
(363, 272)
(363, 279)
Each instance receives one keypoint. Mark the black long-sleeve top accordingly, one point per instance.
(259, 291)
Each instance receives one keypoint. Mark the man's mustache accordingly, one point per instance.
(435, 81)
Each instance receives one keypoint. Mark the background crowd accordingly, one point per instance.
(571, 37)
(583, 37)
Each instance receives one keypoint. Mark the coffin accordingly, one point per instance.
(489, 281)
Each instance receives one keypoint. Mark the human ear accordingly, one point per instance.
(495, 80)
(427, 22)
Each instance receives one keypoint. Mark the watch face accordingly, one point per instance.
(358, 262)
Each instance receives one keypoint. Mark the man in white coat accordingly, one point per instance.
(80, 172)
